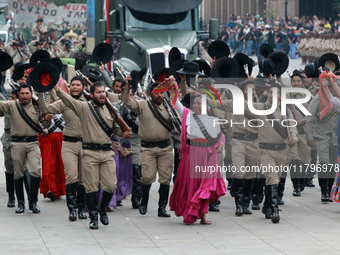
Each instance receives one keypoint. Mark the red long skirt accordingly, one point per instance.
(53, 173)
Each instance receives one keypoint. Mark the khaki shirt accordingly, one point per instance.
(19, 126)
(298, 96)
(241, 120)
(54, 54)
(150, 129)
(65, 54)
(267, 134)
(14, 54)
(322, 130)
(92, 132)
(35, 31)
(72, 121)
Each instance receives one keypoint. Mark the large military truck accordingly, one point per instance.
(143, 32)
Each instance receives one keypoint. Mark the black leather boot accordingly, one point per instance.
(247, 192)
(266, 205)
(81, 202)
(213, 207)
(163, 200)
(330, 182)
(296, 185)
(106, 199)
(294, 174)
(255, 195)
(262, 185)
(27, 182)
(71, 200)
(93, 212)
(10, 189)
(274, 207)
(309, 182)
(281, 189)
(238, 189)
(143, 208)
(136, 186)
(19, 190)
(177, 160)
(34, 191)
(323, 187)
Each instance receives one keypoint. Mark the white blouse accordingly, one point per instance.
(193, 131)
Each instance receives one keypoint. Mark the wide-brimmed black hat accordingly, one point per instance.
(57, 62)
(19, 71)
(242, 60)
(266, 50)
(225, 67)
(331, 61)
(68, 44)
(43, 77)
(38, 43)
(261, 81)
(218, 49)
(134, 81)
(141, 73)
(266, 66)
(161, 74)
(174, 55)
(80, 63)
(176, 66)
(191, 68)
(102, 53)
(6, 61)
(38, 56)
(40, 20)
(281, 62)
(54, 61)
(204, 67)
(312, 70)
(93, 73)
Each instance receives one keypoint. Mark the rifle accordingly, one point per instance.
(121, 123)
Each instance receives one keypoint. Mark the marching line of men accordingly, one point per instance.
(88, 156)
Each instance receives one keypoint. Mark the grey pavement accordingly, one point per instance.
(307, 226)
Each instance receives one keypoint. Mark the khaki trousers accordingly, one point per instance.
(157, 160)
(6, 148)
(245, 158)
(71, 155)
(99, 168)
(28, 152)
(301, 151)
(272, 162)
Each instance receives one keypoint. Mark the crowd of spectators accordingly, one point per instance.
(247, 33)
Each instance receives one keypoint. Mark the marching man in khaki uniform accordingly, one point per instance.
(245, 151)
(98, 165)
(272, 143)
(156, 151)
(25, 146)
(71, 148)
(39, 28)
(301, 155)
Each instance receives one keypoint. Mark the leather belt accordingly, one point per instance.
(301, 131)
(72, 139)
(159, 144)
(272, 146)
(24, 139)
(97, 146)
(246, 137)
(199, 144)
(7, 130)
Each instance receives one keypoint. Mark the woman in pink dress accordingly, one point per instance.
(199, 179)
